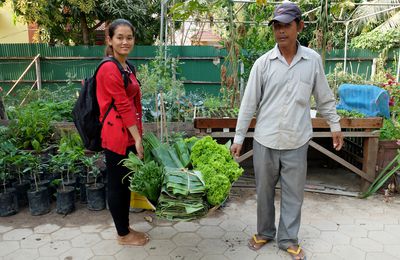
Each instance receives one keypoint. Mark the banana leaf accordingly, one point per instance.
(150, 142)
(179, 182)
(181, 210)
(163, 157)
(183, 152)
(174, 157)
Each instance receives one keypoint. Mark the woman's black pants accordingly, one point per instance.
(119, 195)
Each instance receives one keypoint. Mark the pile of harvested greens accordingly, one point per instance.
(185, 178)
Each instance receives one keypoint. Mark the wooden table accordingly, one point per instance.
(367, 128)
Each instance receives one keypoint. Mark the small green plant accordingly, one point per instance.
(7, 155)
(4, 174)
(382, 178)
(91, 165)
(162, 89)
(31, 129)
(71, 141)
(33, 163)
(390, 130)
(349, 114)
(70, 152)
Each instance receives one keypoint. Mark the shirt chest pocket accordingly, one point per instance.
(303, 93)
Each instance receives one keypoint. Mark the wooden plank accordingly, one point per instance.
(186, 127)
(327, 134)
(370, 152)
(343, 162)
(349, 134)
(229, 134)
(244, 156)
(366, 123)
(201, 122)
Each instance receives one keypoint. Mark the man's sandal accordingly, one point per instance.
(296, 253)
(256, 243)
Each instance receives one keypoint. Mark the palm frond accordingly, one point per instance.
(392, 22)
(365, 21)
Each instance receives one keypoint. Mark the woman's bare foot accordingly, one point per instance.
(134, 238)
(137, 232)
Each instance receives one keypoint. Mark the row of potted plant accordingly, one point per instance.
(33, 178)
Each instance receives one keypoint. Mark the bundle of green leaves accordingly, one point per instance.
(217, 166)
(146, 178)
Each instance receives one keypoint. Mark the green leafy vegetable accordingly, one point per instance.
(217, 166)
(146, 178)
(218, 187)
(208, 152)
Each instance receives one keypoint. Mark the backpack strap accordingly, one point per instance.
(124, 76)
(133, 69)
(121, 69)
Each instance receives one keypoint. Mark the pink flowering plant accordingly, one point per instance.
(391, 127)
(393, 87)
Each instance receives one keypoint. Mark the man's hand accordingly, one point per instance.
(337, 138)
(235, 150)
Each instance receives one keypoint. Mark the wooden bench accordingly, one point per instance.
(366, 128)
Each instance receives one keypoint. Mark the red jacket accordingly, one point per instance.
(110, 85)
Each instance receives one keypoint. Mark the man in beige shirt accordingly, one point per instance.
(278, 92)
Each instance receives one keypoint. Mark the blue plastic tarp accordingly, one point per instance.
(366, 99)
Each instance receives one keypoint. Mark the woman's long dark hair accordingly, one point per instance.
(111, 30)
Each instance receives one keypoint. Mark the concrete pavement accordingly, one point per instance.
(333, 227)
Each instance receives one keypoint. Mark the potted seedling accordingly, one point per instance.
(22, 185)
(87, 177)
(95, 192)
(8, 196)
(65, 198)
(38, 196)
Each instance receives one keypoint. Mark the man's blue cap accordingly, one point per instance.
(286, 13)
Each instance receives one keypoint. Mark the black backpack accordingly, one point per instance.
(86, 110)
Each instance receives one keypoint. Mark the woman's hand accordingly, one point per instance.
(139, 148)
(138, 140)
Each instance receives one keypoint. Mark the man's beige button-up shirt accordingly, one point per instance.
(279, 96)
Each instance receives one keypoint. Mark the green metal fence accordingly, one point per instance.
(199, 65)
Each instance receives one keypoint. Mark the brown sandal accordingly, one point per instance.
(296, 254)
(256, 243)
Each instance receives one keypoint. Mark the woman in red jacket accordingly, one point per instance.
(122, 128)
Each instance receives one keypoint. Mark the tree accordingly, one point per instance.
(75, 21)
(144, 15)
(376, 27)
